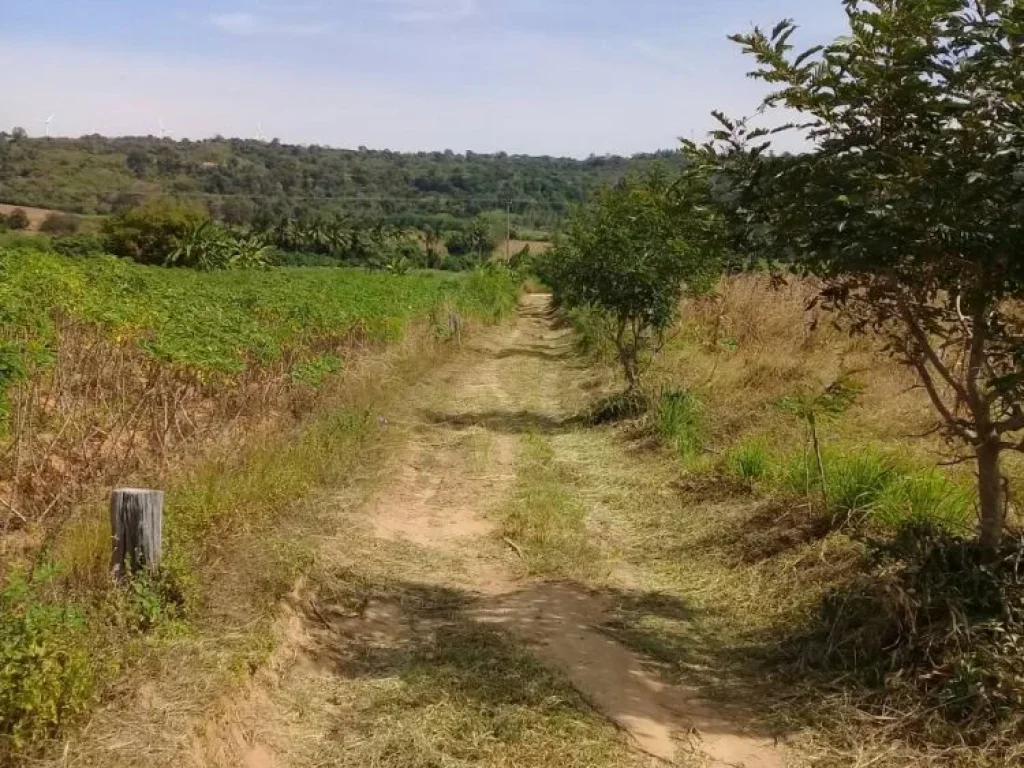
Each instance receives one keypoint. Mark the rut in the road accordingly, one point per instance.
(437, 504)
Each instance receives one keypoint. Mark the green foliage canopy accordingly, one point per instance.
(910, 207)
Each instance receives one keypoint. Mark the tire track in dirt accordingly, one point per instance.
(438, 504)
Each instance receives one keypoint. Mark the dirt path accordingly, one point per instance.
(439, 563)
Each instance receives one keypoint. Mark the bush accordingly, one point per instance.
(630, 404)
(60, 224)
(79, 246)
(18, 219)
(150, 233)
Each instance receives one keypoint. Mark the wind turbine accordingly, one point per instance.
(46, 125)
(259, 132)
(164, 133)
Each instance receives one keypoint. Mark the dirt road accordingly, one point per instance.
(418, 640)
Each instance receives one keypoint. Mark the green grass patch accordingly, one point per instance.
(681, 422)
(749, 461)
(873, 486)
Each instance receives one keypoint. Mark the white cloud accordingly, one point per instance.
(250, 25)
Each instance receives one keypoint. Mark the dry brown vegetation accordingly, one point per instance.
(765, 560)
(106, 414)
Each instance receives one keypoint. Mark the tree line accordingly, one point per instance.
(242, 182)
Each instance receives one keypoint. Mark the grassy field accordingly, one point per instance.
(239, 393)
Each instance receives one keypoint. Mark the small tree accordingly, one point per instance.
(631, 255)
(910, 206)
(18, 219)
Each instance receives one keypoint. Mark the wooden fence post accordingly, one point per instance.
(136, 519)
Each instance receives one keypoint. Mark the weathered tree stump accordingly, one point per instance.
(136, 519)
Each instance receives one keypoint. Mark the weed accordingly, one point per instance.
(681, 422)
(926, 496)
(47, 666)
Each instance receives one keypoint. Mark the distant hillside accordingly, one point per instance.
(243, 179)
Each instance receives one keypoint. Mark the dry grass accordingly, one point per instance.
(545, 519)
(750, 561)
(754, 343)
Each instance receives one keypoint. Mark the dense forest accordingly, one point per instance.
(243, 180)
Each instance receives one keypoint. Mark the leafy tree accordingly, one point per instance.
(59, 224)
(152, 232)
(137, 160)
(18, 219)
(475, 239)
(910, 206)
(632, 255)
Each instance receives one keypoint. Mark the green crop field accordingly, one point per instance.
(220, 323)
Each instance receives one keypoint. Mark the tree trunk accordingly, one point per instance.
(990, 494)
(627, 356)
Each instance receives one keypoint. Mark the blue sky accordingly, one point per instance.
(561, 77)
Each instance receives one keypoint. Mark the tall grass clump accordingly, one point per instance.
(681, 422)
(868, 486)
(927, 496)
(749, 461)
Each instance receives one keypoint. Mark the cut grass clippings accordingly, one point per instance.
(545, 520)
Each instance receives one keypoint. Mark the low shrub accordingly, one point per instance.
(47, 668)
(621, 406)
(79, 246)
(60, 224)
(18, 219)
